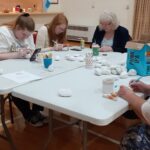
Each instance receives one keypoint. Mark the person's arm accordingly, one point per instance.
(121, 37)
(106, 49)
(134, 101)
(146, 111)
(98, 36)
(140, 87)
(14, 55)
(9, 55)
(95, 35)
(5, 47)
(41, 38)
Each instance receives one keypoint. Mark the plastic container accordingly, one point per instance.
(82, 43)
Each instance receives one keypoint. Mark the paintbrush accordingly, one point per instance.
(55, 42)
(138, 79)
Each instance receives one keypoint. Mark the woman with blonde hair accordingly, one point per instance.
(52, 33)
(109, 35)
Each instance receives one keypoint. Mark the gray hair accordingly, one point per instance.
(109, 17)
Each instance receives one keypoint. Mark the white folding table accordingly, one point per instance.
(14, 65)
(86, 103)
(85, 85)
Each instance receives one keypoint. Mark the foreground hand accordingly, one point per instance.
(106, 49)
(23, 52)
(58, 47)
(125, 93)
(139, 86)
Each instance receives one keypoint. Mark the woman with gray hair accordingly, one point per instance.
(109, 35)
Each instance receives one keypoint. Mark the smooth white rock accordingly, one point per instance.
(98, 72)
(65, 92)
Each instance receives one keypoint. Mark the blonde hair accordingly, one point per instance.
(109, 17)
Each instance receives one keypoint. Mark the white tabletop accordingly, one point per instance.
(62, 66)
(14, 65)
(87, 102)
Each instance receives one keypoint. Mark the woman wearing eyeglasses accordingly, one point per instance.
(109, 35)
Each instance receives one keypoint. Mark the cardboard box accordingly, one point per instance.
(138, 57)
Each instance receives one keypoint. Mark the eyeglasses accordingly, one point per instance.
(105, 24)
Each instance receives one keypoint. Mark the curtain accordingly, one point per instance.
(141, 24)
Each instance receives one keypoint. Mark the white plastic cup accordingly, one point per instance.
(108, 85)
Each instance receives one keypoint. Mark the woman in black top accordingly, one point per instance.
(109, 35)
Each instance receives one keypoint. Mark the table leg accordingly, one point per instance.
(50, 122)
(84, 135)
(2, 113)
(50, 128)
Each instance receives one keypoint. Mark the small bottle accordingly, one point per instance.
(82, 43)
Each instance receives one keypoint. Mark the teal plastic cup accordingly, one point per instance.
(47, 62)
(95, 50)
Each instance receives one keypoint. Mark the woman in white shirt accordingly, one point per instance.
(137, 137)
(16, 41)
(52, 33)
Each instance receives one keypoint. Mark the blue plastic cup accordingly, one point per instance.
(47, 62)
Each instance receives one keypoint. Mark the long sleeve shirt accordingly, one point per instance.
(121, 36)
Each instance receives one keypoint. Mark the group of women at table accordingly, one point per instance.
(16, 41)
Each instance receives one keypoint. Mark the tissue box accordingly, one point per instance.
(138, 57)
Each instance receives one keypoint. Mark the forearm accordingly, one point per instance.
(120, 49)
(147, 90)
(136, 103)
(10, 55)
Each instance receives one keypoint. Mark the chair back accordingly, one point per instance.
(35, 36)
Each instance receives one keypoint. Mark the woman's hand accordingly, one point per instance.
(140, 87)
(23, 52)
(125, 93)
(58, 47)
(106, 49)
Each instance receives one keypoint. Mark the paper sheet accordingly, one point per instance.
(21, 76)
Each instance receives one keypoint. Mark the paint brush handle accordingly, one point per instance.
(138, 79)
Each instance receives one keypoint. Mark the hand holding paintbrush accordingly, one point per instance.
(57, 46)
(137, 80)
(139, 86)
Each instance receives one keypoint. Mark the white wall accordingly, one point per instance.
(56, 7)
(86, 12)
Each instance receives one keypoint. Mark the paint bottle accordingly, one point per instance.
(82, 43)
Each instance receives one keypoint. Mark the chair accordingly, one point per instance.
(35, 36)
